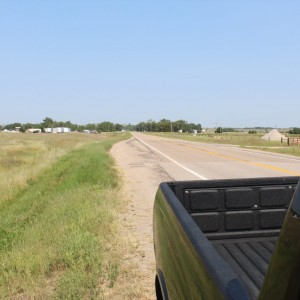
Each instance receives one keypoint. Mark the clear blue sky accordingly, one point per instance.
(231, 63)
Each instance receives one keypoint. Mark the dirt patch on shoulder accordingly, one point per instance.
(141, 172)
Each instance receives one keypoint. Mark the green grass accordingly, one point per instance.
(291, 150)
(24, 156)
(56, 233)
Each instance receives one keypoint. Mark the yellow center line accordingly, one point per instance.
(265, 166)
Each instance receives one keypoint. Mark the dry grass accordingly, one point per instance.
(60, 237)
(24, 156)
(132, 282)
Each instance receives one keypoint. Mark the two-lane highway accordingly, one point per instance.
(184, 160)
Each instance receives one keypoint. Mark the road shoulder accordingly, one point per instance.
(141, 174)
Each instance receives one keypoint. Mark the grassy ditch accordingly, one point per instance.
(57, 232)
(24, 156)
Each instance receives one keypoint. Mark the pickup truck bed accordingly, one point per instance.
(240, 219)
(249, 258)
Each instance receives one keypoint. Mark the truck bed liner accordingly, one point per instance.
(242, 222)
(249, 258)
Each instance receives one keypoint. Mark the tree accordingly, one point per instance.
(119, 127)
(90, 126)
(27, 126)
(164, 125)
(47, 123)
(228, 129)
(180, 125)
(218, 130)
(252, 132)
(295, 130)
(130, 127)
(12, 126)
(105, 127)
(141, 126)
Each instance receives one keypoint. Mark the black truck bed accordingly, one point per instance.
(249, 258)
(242, 221)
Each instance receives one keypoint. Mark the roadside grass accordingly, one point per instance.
(24, 156)
(290, 150)
(58, 232)
(246, 140)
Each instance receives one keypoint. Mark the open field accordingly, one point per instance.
(59, 236)
(253, 141)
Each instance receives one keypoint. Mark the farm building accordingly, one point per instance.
(34, 130)
(10, 131)
(57, 130)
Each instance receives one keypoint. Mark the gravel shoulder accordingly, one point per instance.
(141, 173)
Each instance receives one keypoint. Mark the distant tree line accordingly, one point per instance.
(295, 130)
(50, 123)
(165, 125)
(259, 128)
(226, 129)
(252, 132)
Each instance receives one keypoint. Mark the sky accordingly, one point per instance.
(214, 62)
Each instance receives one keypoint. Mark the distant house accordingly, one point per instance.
(48, 130)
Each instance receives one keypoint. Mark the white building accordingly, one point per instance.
(57, 130)
(34, 130)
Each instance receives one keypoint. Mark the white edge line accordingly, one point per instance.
(171, 159)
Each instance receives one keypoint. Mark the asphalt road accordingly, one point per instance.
(184, 160)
